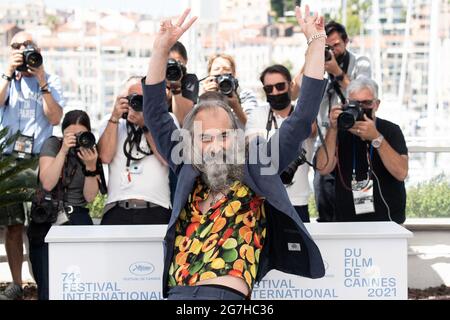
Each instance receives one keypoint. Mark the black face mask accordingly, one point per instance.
(280, 101)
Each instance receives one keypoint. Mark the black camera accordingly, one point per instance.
(136, 102)
(44, 210)
(287, 176)
(85, 140)
(328, 55)
(227, 84)
(31, 57)
(351, 112)
(175, 70)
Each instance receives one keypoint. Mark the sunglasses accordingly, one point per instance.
(18, 45)
(280, 87)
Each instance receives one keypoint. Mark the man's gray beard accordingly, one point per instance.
(220, 177)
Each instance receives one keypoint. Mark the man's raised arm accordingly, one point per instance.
(156, 114)
(298, 126)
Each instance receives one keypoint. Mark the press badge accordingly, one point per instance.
(363, 197)
(135, 167)
(23, 146)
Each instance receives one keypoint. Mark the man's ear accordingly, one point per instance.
(377, 105)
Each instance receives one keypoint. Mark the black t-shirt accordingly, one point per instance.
(190, 87)
(351, 147)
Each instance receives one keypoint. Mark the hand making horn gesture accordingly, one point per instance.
(310, 24)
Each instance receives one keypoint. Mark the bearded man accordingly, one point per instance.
(232, 221)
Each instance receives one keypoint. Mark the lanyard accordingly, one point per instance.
(369, 172)
(369, 160)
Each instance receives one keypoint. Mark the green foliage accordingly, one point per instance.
(430, 199)
(282, 6)
(278, 7)
(357, 12)
(313, 213)
(17, 179)
(96, 207)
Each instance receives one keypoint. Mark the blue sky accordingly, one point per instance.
(154, 7)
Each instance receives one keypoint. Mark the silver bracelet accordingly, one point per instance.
(316, 36)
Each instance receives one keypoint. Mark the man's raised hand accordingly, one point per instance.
(310, 24)
(169, 33)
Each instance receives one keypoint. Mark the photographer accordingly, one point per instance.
(31, 102)
(371, 161)
(222, 78)
(266, 120)
(69, 178)
(182, 87)
(138, 186)
(342, 67)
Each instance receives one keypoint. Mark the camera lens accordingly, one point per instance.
(226, 83)
(136, 101)
(86, 140)
(346, 120)
(33, 59)
(40, 215)
(174, 70)
(226, 87)
(351, 113)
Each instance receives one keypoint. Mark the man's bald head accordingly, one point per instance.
(21, 37)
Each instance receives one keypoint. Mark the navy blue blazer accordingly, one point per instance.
(288, 246)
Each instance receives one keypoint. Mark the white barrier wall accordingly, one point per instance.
(362, 261)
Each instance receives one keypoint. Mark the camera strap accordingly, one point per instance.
(133, 140)
(272, 121)
(67, 175)
(334, 86)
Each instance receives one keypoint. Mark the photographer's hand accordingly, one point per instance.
(210, 84)
(120, 107)
(15, 60)
(69, 141)
(89, 158)
(39, 74)
(366, 130)
(332, 66)
(334, 114)
(175, 87)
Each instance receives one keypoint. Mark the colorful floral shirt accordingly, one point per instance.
(227, 240)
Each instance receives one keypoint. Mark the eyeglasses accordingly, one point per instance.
(18, 45)
(365, 103)
(280, 87)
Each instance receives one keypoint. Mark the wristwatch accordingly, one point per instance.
(6, 77)
(376, 143)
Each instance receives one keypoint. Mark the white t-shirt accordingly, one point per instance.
(299, 191)
(148, 179)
